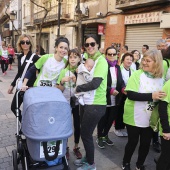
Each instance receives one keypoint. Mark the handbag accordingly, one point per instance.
(20, 79)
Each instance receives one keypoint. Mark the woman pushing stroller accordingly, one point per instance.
(25, 46)
(50, 65)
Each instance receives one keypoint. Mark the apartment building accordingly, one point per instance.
(118, 22)
(10, 21)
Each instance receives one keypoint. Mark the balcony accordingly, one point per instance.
(130, 4)
(51, 16)
(6, 33)
(28, 21)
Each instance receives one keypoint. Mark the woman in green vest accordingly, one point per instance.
(95, 105)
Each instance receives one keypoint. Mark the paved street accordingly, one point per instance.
(105, 159)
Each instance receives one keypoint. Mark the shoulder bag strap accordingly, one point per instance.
(26, 67)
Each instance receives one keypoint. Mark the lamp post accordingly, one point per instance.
(79, 12)
(12, 18)
(59, 13)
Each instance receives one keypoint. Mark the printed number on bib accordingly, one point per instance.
(45, 83)
(51, 148)
(149, 107)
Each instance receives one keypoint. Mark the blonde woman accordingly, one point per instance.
(25, 46)
(143, 92)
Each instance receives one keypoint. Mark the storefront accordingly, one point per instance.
(143, 28)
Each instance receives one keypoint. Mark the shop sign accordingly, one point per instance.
(143, 18)
(100, 29)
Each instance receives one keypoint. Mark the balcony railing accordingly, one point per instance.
(127, 4)
(28, 21)
(51, 16)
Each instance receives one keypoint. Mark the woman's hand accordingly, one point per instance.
(166, 136)
(65, 79)
(10, 90)
(74, 79)
(158, 95)
(24, 87)
(115, 92)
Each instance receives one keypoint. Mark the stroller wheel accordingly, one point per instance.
(14, 159)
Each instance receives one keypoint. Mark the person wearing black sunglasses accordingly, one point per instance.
(25, 46)
(95, 105)
(115, 89)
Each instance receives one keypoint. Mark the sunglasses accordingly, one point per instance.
(25, 42)
(92, 44)
(111, 54)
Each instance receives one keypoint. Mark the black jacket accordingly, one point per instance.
(120, 84)
(21, 68)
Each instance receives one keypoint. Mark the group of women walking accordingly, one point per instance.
(6, 58)
(115, 93)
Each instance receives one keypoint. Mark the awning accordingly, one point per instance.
(85, 22)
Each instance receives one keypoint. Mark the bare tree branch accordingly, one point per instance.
(42, 22)
(13, 26)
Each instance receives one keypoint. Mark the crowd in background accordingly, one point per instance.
(124, 94)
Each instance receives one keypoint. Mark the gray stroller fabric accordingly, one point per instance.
(46, 114)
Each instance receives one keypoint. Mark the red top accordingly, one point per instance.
(11, 51)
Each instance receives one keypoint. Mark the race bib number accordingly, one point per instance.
(45, 83)
(51, 148)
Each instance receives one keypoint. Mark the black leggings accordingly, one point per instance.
(119, 119)
(163, 161)
(76, 122)
(134, 134)
(89, 117)
(106, 121)
(13, 104)
(4, 65)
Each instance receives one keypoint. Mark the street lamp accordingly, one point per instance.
(59, 13)
(12, 16)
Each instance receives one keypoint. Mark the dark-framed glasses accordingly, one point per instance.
(25, 42)
(92, 44)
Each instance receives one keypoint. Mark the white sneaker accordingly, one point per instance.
(124, 133)
(118, 133)
(81, 101)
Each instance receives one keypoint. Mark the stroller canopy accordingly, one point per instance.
(46, 114)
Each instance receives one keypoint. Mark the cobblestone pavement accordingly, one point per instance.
(109, 158)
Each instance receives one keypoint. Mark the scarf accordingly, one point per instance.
(73, 69)
(95, 56)
(148, 74)
(111, 63)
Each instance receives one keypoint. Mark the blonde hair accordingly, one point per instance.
(156, 56)
(19, 48)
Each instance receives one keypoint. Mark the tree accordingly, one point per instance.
(43, 19)
(12, 21)
(79, 12)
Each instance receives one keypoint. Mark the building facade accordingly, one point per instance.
(116, 22)
(144, 22)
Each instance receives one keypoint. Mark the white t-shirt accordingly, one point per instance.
(22, 59)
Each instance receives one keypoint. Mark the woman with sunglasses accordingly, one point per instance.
(126, 70)
(26, 47)
(95, 106)
(49, 66)
(144, 89)
(115, 87)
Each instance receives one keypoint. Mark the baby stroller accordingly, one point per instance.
(46, 126)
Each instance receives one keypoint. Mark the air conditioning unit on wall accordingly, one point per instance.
(164, 21)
